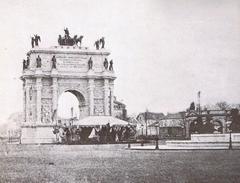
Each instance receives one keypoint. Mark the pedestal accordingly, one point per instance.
(38, 135)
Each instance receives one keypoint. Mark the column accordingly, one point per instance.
(111, 101)
(91, 96)
(24, 103)
(54, 98)
(106, 95)
(39, 98)
(26, 106)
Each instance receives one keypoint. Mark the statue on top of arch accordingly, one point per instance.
(35, 40)
(68, 40)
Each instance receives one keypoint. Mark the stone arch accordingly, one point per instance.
(81, 97)
(73, 89)
(78, 94)
(193, 126)
(44, 85)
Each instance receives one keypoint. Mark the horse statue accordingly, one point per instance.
(77, 40)
(68, 40)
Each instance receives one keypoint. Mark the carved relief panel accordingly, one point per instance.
(47, 92)
(98, 106)
(46, 111)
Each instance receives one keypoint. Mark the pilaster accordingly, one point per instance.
(26, 103)
(91, 96)
(111, 100)
(106, 96)
(39, 98)
(54, 96)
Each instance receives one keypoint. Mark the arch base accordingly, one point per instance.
(38, 135)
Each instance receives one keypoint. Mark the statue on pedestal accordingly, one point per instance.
(39, 62)
(67, 40)
(28, 61)
(111, 65)
(97, 44)
(90, 63)
(34, 40)
(54, 61)
(24, 64)
(105, 63)
(102, 42)
(66, 31)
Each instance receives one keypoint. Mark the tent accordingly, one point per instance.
(92, 121)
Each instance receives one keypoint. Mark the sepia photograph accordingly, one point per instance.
(120, 91)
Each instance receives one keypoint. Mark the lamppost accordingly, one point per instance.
(145, 116)
(157, 126)
(20, 136)
(9, 136)
(230, 140)
(142, 135)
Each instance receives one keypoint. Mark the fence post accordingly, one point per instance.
(157, 143)
(129, 145)
(230, 140)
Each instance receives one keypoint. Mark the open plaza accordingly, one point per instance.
(100, 143)
(113, 163)
(120, 91)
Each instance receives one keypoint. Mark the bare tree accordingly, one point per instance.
(222, 105)
(235, 106)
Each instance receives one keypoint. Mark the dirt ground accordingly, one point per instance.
(113, 163)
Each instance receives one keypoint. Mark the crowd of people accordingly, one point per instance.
(98, 134)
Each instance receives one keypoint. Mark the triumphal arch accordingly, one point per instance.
(68, 67)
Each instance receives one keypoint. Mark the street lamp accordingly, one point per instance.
(157, 136)
(145, 117)
(230, 140)
(142, 135)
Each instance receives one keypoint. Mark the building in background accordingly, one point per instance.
(170, 126)
(145, 120)
(119, 110)
(183, 124)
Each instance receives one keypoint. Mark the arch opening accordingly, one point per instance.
(71, 107)
(200, 125)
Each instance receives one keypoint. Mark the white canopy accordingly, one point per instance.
(100, 120)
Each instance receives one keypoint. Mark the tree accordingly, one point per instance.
(222, 105)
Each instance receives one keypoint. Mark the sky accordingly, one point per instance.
(164, 51)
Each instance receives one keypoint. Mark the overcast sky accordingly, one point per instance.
(164, 51)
